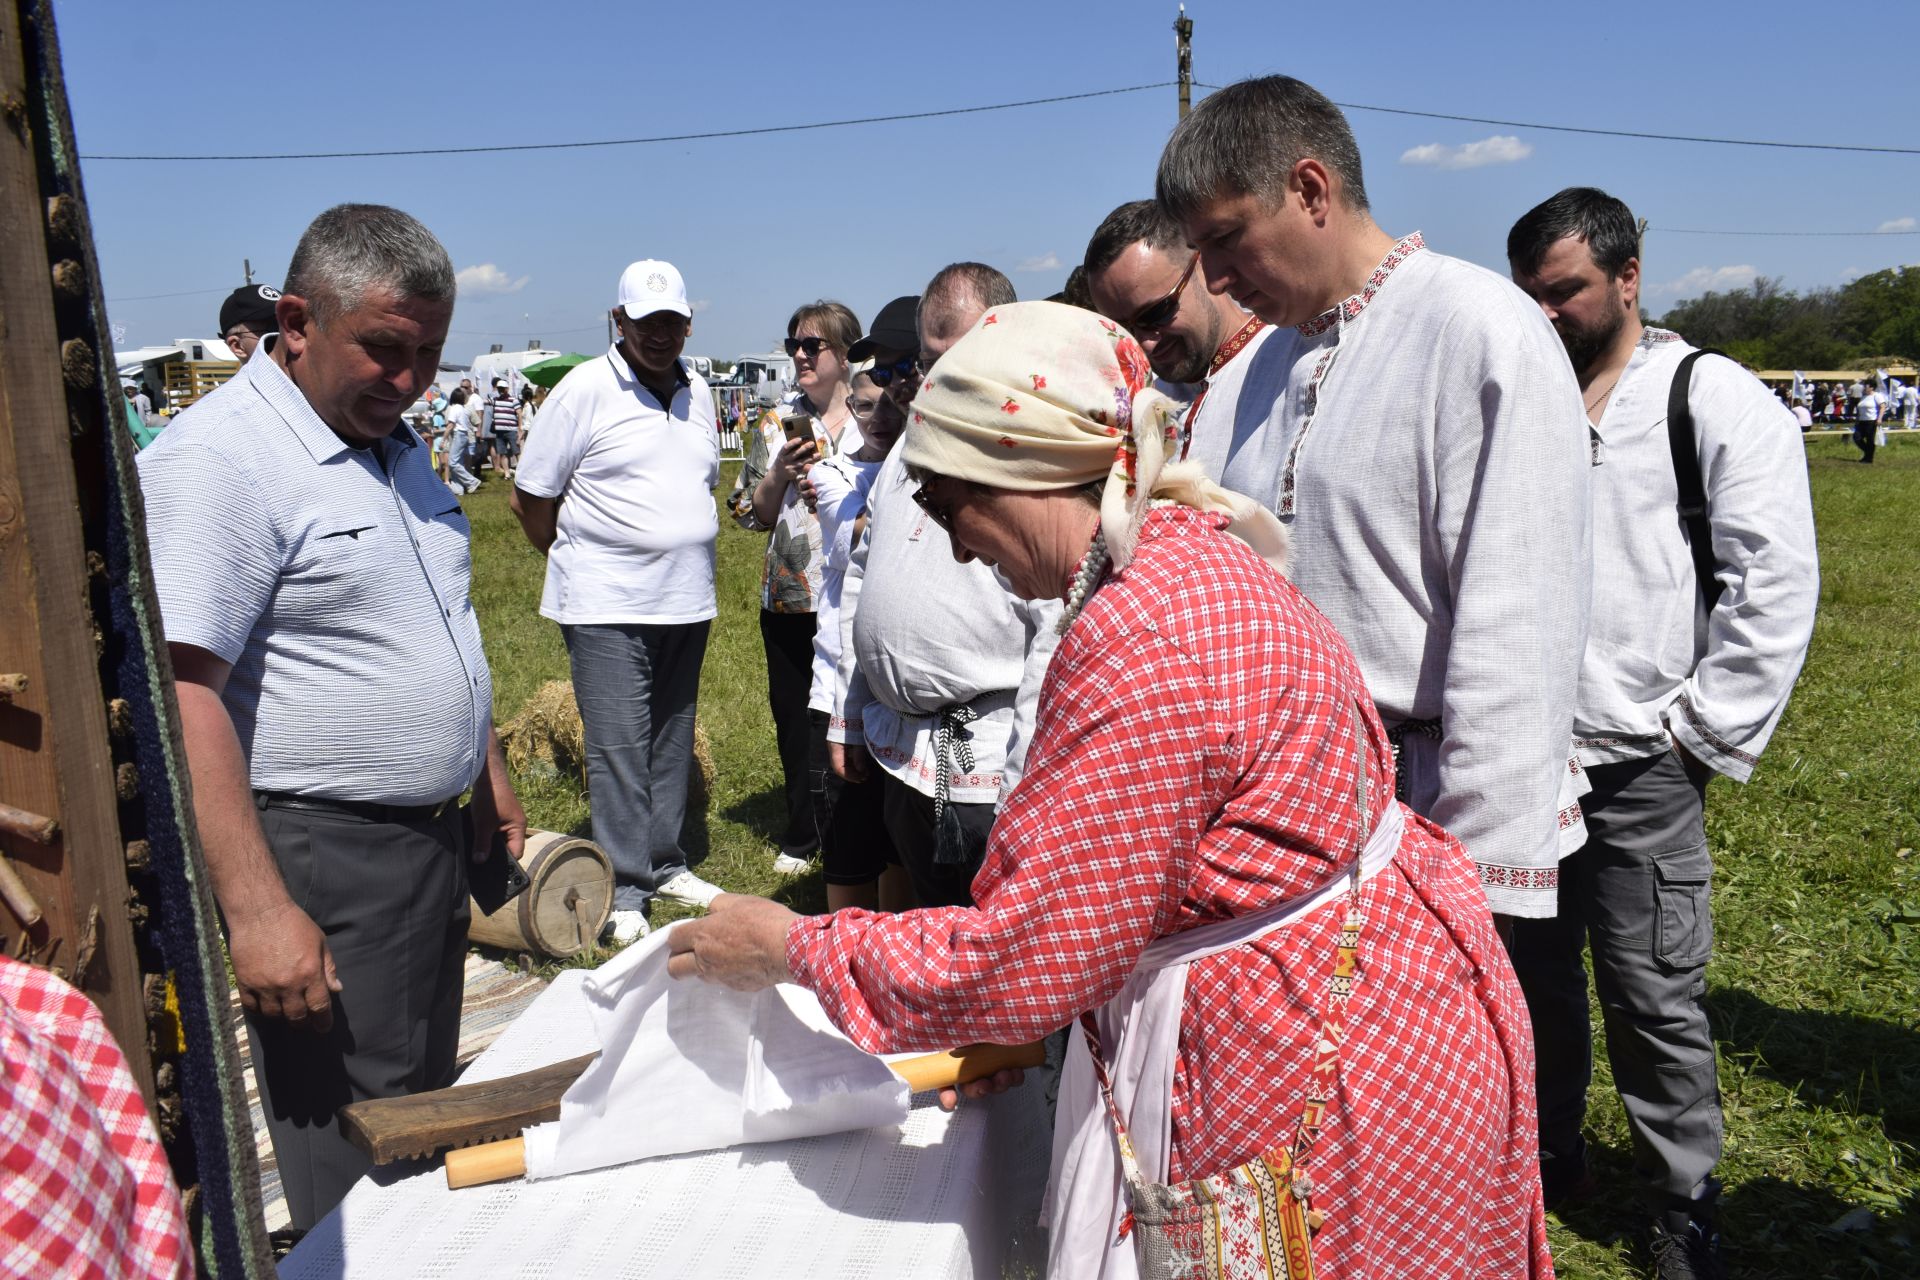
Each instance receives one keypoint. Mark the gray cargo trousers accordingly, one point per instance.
(1637, 894)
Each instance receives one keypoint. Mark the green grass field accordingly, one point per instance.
(1815, 984)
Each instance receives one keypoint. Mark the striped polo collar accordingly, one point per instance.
(273, 385)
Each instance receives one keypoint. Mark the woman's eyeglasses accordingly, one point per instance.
(1156, 316)
(883, 374)
(861, 408)
(813, 346)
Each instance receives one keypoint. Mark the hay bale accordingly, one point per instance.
(547, 734)
(700, 770)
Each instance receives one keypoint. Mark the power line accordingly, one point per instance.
(676, 137)
(149, 297)
(1623, 133)
(1698, 231)
(527, 333)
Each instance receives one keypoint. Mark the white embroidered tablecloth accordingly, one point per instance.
(943, 1195)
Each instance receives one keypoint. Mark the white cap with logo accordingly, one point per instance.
(651, 285)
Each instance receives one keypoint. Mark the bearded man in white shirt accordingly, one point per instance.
(1685, 676)
(1202, 346)
(1425, 447)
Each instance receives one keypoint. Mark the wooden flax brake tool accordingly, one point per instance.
(479, 1125)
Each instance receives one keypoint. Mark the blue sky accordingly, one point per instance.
(864, 213)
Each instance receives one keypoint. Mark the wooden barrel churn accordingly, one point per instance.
(568, 897)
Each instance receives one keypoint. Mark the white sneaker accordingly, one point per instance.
(689, 890)
(785, 864)
(626, 926)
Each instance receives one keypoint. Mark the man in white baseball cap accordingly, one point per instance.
(617, 488)
(651, 285)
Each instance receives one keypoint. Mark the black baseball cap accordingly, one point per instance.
(895, 328)
(251, 305)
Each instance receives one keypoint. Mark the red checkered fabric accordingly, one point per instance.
(85, 1190)
(1193, 761)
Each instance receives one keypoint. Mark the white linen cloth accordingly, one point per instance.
(1140, 1038)
(691, 1066)
(920, 631)
(945, 1196)
(1429, 451)
(1658, 666)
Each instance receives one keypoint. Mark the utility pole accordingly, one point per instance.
(246, 265)
(1183, 28)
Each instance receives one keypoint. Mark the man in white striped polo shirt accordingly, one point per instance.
(503, 421)
(334, 698)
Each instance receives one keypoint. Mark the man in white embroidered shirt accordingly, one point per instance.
(1425, 448)
(1683, 679)
(1202, 346)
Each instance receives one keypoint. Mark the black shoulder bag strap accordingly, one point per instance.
(1686, 473)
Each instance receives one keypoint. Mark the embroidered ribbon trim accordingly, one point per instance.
(1228, 350)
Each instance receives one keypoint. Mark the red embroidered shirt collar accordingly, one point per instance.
(1227, 351)
(1349, 308)
(1235, 345)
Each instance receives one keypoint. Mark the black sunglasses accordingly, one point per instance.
(811, 345)
(1156, 316)
(882, 374)
(938, 514)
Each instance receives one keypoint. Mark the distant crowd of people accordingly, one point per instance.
(1868, 409)
(470, 432)
(1281, 660)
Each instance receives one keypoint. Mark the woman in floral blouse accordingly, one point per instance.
(772, 496)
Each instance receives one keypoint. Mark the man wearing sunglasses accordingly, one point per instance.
(1201, 344)
(893, 344)
(246, 317)
(940, 664)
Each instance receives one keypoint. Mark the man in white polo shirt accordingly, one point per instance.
(617, 489)
(312, 573)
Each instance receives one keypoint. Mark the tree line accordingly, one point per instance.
(1871, 321)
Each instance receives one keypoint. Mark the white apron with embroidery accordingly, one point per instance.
(1140, 1038)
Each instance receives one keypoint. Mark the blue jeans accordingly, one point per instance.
(457, 461)
(637, 686)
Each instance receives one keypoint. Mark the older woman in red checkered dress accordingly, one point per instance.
(1206, 772)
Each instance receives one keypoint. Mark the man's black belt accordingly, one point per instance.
(364, 809)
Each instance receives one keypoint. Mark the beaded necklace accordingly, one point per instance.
(1092, 566)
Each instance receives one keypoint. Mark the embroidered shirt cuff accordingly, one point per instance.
(1690, 730)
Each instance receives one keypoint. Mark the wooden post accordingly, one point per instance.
(1183, 28)
(55, 759)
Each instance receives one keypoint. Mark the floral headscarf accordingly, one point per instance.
(1039, 395)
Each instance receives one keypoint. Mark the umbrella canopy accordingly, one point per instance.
(548, 373)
